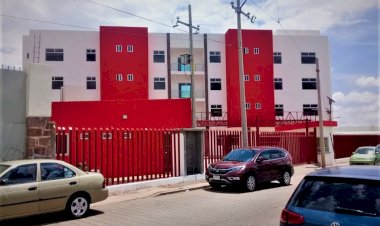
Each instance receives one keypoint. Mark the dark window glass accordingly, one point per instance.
(339, 195)
(265, 154)
(91, 83)
(215, 84)
(215, 57)
(55, 171)
(57, 82)
(310, 109)
(159, 56)
(279, 108)
(20, 175)
(307, 58)
(309, 83)
(277, 58)
(216, 110)
(91, 55)
(54, 55)
(278, 83)
(159, 83)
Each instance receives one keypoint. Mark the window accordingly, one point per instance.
(215, 84)
(27, 55)
(119, 48)
(265, 155)
(130, 48)
(279, 109)
(326, 140)
(246, 77)
(215, 57)
(91, 83)
(21, 175)
(159, 83)
(278, 83)
(309, 83)
(277, 58)
(91, 54)
(256, 50)
(159, 56)
(216, 110)
(307, 58)
(55, 171)
(246, 50)
(247, 106)
(257, 78)
(57, 82)
(258, 105)
(310, 109)
(276, 154)
(130, 77)
(119, 77)
(54, 55)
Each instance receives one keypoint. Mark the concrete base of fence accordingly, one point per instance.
(121, 188)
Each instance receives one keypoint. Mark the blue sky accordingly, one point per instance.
(351, 25)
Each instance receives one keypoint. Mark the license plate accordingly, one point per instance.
(216, 177)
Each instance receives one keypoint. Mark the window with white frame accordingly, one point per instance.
(278, 83)
(308, 58)
(279, 109)
(91, 55)
(159, 56)
(119, 48)
(258, 105)
(119, 77)
(246, 77)
(247, 105)
(57, 82)
(246, 50)
(216, 110)
(215, 57)
(277, 58)
(256, 50)
(309, 83)
(54, 55)
(257, 78)
(130, 77)
(310, 109)
(91, 83)
(215, 84)
(159, 83)
(130, 48)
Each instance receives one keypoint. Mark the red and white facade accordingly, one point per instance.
(129, 64)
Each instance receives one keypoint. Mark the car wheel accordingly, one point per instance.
(285, 179)
(250, 183)
(77, 206)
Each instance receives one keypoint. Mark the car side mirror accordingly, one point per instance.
(260, 159)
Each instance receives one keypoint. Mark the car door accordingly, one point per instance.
(277, 163)
(58, 182)
(264, 167)
(18, 191)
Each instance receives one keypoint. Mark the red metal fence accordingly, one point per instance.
(301, 146)
(121, 155)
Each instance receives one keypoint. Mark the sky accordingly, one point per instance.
(352, 27)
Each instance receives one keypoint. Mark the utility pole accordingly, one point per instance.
(241, 71)
(321, 136)
(191, 58)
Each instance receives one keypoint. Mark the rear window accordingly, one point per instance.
(351, 196)
(365, 151)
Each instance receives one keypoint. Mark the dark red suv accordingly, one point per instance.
(249, 166)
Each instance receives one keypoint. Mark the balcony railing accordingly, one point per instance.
(292, 117)
(186, 67)
(209, 119)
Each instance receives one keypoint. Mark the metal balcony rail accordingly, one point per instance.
(14, 68)
(211, 119)
(186, 67)
(186, 94)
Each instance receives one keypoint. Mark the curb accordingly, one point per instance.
(180, 190)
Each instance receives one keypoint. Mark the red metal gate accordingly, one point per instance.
(121, 155)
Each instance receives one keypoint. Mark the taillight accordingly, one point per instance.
(289, 217)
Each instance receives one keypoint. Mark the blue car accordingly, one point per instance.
(336, 196)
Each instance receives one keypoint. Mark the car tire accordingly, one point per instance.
(285, 178)
(249, 184)
(78, 206)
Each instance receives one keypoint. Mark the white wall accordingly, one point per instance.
(75, 68)
(291, 44)
(157, 41)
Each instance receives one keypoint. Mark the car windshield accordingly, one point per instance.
(365, 151)
(349, 196)
(240, 155)
(3, 168)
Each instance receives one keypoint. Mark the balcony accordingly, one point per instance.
(207, 119)
(199, 94)
(186, 68)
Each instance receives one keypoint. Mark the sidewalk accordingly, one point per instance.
(137, 190)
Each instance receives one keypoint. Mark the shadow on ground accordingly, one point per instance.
(237, 189)
(45, 219)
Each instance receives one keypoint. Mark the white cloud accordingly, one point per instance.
(368, 81)
(355, 97)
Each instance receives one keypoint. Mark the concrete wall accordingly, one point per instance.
(12, 114)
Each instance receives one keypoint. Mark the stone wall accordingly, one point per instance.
(40, 138)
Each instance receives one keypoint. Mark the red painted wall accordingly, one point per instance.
(255, 91)
(141, 113)
(344, 145)
(112, 63)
